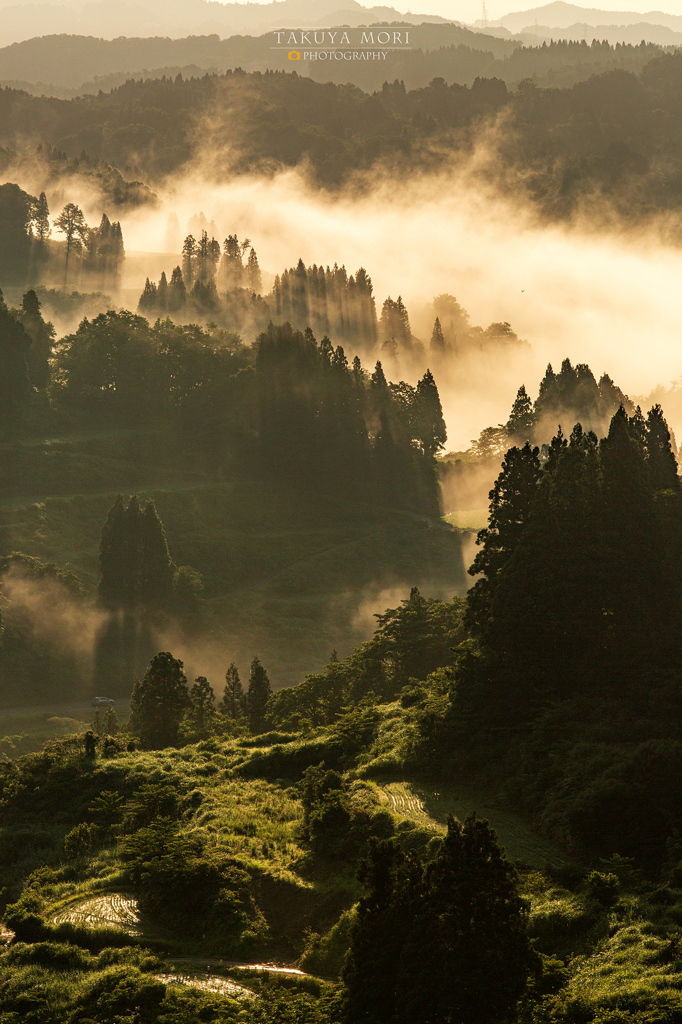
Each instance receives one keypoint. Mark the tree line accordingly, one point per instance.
(620, 151)
(293, 404)
(27, 250)
(163, 704)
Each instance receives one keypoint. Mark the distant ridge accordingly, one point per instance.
(563, 15)
(64, 66)
(109, 19)
(67, 61)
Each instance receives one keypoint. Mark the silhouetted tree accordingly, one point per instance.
(15, 387)
(257, 696)
(233, 703)
(41, 220)
(511, 500)
(189, 256)
(177, 292)
(444, 943)
(71, 223)
(521, 418)
(430, 425)
(135, 565)
(253, 274)
(437, 345)
(202, 700)
(661, 462)
(42, 337)
(159, 701)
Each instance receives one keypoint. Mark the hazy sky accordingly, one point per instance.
(470, 10)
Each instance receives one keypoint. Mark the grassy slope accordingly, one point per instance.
(288, 574)
(625, 955)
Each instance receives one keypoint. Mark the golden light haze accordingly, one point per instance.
(593, 293)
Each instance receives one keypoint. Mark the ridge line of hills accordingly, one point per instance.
(560, 14)
(68, 65)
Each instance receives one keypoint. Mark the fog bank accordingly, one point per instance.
(609, 299)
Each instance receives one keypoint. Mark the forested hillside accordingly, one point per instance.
(67, 66)
(280, 741)
(612, 138)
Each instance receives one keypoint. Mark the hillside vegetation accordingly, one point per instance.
(66, 66)
(609, 143)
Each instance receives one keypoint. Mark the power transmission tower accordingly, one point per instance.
(484, 16)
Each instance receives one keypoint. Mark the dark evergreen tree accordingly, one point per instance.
(189, 257)
(135, 565)
(148, 299)
(253, 274)
(177, 292)
(521, 420)
(468, 956)
(156, 568)
(546, 608)
(233, 704)
(631, 549)
(115, 555)
(437, 346)
(511, 500)
(661, 462)
(394, 324)
(42, 337)
(159, 701)
(257, 696)
(202, 701)
(15, 386)
(16, 214)
(41, 222)
(385, 914)
(430, 424)
(231, 268)
(441, 944)
(637, 428)
(162, 293)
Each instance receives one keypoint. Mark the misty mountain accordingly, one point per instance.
(57, 65)
(71, 60)
(616, 134)
(632, 34)
(110, 18)
(562, 15)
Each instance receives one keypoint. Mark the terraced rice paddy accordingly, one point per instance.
(430, 808)
(405, 801)
(109, 910)
(206, 982)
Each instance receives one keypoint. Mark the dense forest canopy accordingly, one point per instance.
(614, 135)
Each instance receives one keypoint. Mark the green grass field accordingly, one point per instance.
(290, 575)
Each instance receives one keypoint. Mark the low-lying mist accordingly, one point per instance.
(609, 298)
(592, 291)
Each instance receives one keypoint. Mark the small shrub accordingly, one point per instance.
(603, 888)
(81, 839)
